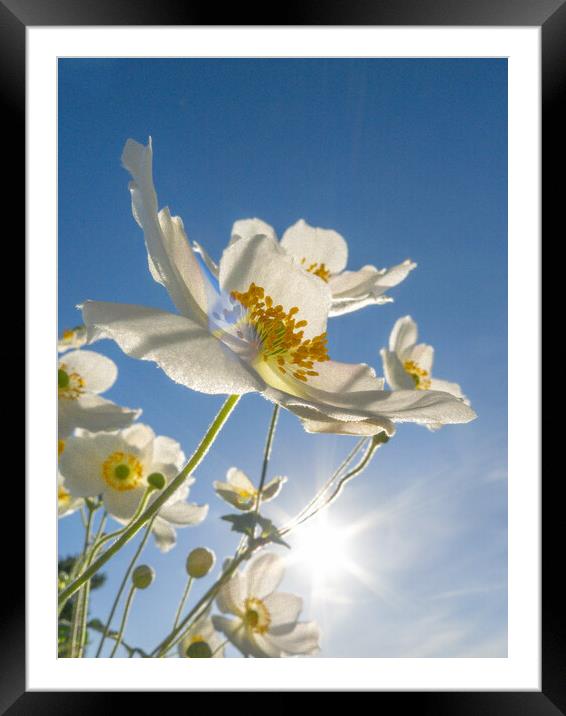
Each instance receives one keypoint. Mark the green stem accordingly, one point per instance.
(152, 510)
(79, 613)
(182, 602)
(124, 620)
(267, 454)
(122, 587)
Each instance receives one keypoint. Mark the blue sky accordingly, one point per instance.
(406, 159)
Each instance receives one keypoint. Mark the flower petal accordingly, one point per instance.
(283, 608)
(316, 246)
(248, 228)
(446, 387)
(261, 260)
(81, 462)
(396, 376)
(210, 264)
(423, 355)
(231, 597)
(233, 629)
(183, 514)
(403, 336)
(97, 371)
(122, 504)
(303, 639)
(238, 478)
(91, 412)
(164, 534)
(264, 574)
(272, 489)
(168, 451)
(172, 261)
(185, 351)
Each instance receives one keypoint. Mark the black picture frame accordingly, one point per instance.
(550, 15)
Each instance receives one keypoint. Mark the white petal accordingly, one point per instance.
(232, 595)
(316, 245)
(231, 495)
(98, 372)
(248, 228)
(234, 630)
(303, 639)
(260, 260)
(91, 412)
(423, 355)
(238, 478)
(264, 574)
(336, 377)
(185, 351)
(396, 376)
(122, 504)
(169, 451)
(391, 277)
(184, 513)
(139, 439)
(365, 427)
(341, 307)
(446, 387)
(164, 534)
(210, 264)
(81, 462)
(272, 489)
(66, 503)
(171, 258)
(403, 336)
(283, 608)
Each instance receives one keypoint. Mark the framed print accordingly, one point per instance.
(247, 244)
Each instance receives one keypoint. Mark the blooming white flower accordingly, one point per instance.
(81, 376)
(201, 640)
(324, 253)
(66, 503)
(117, 464)
(265, 623)
(263, 330)
(72, 338)
(240, 492)
(408, 365)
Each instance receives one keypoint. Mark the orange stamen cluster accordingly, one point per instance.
(319, 270)
(280, 335)
(418, 374)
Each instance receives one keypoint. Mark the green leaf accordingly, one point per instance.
(246, 524)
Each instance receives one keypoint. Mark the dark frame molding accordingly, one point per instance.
(550, 15)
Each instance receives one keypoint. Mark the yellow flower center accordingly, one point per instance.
(280, 340)
(256, 617)
(122, 471)
(60, 447)
(70, 385)
(319, 270)
(418, 374)
(244, 496)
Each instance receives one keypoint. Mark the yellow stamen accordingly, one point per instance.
(418, 374)
(256, 617)
(63, 496)
(281, 343)
(317, 269)
(122, 471)
(60, 447)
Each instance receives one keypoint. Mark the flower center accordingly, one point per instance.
(122, 471)
(256, 617)
(319, 270)
(63, 496)
(418, 374)
(280, 340)
(60, 447)
(198, 648)
(245, 496)
(70, 385)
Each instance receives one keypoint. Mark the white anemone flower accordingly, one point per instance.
(117, 464)
(201, 640)
(239, 490)
(81, 376)
(263, 329)
(66, 503)
(408, 365)
(72, 338)
(324, 253)
(265, 623)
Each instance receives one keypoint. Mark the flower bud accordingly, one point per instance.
(143, 576)
(199, 562)
(156, 480)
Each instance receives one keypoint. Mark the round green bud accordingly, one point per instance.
(143, 576)
(199, 650)
(199, 562)
(156, 480)
(62, 378)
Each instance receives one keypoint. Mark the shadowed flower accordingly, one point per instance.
(117, 465)
(81, 376)
(201, 641)
(240, 492)
(263, 329)
(324, 253)
(72, 338)
(265, 623)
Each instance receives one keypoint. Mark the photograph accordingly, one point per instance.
(282, 357)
